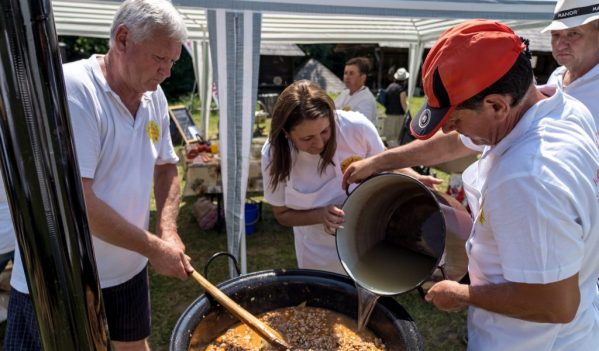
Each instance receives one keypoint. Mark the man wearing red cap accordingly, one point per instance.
(534, 193)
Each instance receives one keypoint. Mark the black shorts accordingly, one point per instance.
(21, 326)
(127, 309)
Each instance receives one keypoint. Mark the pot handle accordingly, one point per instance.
(221, 253)
(348, 193)
(421, 290)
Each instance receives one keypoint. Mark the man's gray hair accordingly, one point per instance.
(143, 18)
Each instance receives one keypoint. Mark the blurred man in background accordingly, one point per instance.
(357, 96)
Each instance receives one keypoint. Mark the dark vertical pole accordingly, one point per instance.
(43, 184)
(379, 54)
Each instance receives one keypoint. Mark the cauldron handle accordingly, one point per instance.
(222, 253)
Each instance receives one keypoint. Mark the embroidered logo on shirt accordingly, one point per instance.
(153, 131)
(348, 161)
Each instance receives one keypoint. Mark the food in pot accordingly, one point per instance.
(303, 328)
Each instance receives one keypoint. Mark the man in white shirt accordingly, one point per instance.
(534, 193)
(120, 122)
(574, 38)
(357, 97)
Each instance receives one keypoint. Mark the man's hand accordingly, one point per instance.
(358, 171)
(167, 258)
(172, 236)
(332, 218)
(448, 296)
(429, 181)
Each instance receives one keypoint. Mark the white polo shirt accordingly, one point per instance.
(361, 101)
(535, 198)
(584, 88)
(119, 153)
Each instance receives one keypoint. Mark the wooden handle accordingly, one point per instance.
(267, 333)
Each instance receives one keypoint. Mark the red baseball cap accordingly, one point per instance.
(464, 61)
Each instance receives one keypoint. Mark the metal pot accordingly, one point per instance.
(264, 291)
(398, 232)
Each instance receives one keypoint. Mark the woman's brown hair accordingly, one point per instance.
(302, 100)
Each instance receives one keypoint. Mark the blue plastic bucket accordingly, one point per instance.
(251, 217)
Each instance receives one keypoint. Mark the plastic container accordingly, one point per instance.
(251, 217)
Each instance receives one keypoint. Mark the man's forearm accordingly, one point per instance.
(167, 193)
(544, 303)
(108, 225)
(438, 149)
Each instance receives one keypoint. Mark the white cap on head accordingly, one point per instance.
(573, 13)
(401, 74)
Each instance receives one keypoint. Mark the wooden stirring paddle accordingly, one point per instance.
(267, 333)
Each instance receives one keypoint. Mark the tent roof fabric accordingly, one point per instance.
(322, 21)
(280, 49)
(540, 42)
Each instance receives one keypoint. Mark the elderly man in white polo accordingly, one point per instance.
(575, 46)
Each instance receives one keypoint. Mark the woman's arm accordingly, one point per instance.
(330, 216)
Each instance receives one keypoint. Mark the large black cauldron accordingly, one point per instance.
(260, 292)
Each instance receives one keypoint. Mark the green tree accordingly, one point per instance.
(77, 48)
(180, 84)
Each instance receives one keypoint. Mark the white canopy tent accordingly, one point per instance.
(235, 28)
(385, 22)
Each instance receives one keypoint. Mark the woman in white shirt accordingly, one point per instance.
(302, 162)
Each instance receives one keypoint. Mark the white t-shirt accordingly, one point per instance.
(7, 232)
(308, 189)
(584, 88)
(119, 153)
(536, 204)
(362, 101)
